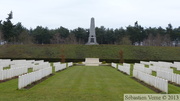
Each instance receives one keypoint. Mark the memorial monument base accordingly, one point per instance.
(91, 43)
(92, 62)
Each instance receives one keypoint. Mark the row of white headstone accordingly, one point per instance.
(19, 63)
(157, 68)
(165, 71)
(114, 65)
(145, 63)
(124, 68)
(69, 64)
(144, 74)
(4, 63)
(157, 82)
(58, 66)
(41, 66)
(126, 65)
(142, 68)
(10, 73)
(29, 78)
(15, 63)
(169, 76)
(163, 64)
(176, 65)
(19, 67)
(46, 70)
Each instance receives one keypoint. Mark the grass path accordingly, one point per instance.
(77, 83)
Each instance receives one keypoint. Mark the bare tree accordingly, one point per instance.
(166, 40)
(71, 39)
(57, 39)
(125, 41)
(149, 40)
(25, 38)
(158, 40)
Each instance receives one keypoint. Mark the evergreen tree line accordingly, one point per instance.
(131, 35)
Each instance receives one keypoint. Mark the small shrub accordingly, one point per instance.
(80, 63)
(104, 62)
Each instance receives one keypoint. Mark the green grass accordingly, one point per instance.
(175, 70)
(172, 89)
(6, 68)
(154, 73)
(53, 51)
(131, 69)
(78, 83)
(30, 70)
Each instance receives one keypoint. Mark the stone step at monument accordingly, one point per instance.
(92, 62)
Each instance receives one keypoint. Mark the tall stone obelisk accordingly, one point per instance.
(92, 34)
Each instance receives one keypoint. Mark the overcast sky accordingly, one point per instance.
(77, 13)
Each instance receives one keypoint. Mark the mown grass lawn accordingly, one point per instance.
(78, 83)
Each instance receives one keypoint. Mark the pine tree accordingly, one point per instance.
(7, 28)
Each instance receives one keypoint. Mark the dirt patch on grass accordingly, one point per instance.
(149, 86)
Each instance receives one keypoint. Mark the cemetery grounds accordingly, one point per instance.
(80, 83)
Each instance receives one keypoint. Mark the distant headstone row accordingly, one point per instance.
(125, 68)
(164, 70)
(164, 73)
(58, 66)
(40, 69)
